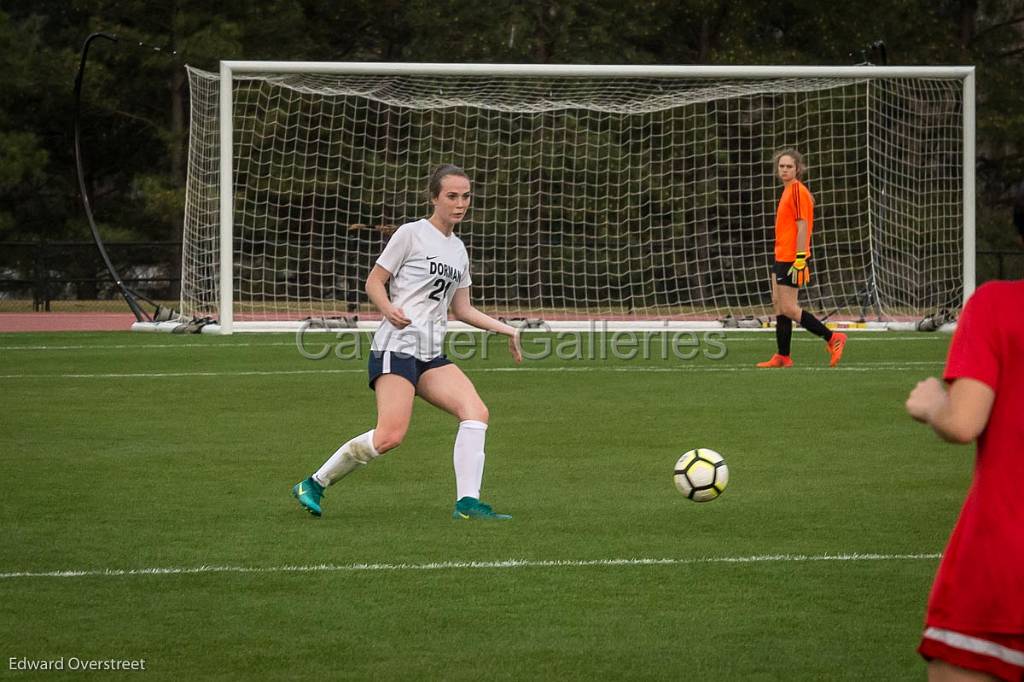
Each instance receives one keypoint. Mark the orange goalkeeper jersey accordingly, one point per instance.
(796, 204)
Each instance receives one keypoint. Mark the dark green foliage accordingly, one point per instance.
(136, 116)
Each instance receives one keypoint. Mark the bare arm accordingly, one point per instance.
(802, 239)
(464, 311)
(958, 415)
(376, 289)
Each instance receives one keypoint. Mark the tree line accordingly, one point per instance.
(135, 100)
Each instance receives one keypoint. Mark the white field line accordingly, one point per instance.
(907, 366)
(805, 338)
(462, 565)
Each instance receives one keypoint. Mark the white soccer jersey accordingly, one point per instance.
(426, 268)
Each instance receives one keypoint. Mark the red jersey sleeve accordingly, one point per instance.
(974, 351)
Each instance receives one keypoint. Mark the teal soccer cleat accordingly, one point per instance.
(308, 493)
(472, 508)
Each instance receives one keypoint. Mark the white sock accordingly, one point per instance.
(355, 453)
(469, 458)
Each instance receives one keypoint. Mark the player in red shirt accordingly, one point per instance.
(974, 627)
(794, 221)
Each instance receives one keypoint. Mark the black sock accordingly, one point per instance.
(814, 325)
(783, 334)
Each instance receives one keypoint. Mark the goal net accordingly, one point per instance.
(614, 193)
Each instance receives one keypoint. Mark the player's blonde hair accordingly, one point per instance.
(439, 174)
(797, 157)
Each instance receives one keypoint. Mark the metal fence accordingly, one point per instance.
(44, 276)
(1000, 265)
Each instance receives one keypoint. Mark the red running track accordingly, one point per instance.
(65, 322)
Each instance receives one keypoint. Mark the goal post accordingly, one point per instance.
(632, 194)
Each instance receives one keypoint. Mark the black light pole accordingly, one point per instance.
(131, 297)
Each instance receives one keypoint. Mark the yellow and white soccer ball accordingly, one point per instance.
(701, 474)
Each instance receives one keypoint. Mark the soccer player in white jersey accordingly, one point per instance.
(428, 268)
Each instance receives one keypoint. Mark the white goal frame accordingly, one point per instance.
(229, 69)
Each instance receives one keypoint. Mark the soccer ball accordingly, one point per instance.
(701, 474)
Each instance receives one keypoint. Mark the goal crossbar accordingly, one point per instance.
(594, 70)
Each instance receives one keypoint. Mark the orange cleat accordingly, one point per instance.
(777, 361)
(835, 347)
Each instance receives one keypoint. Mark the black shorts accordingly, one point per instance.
(404, 365)
(781, 271)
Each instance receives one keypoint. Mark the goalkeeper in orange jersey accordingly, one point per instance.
(794, 221)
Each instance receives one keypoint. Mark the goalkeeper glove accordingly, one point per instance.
(799, 273)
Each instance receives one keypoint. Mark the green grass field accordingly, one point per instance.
(147, 515)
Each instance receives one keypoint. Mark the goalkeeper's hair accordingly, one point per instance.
(439, 174)
(797, 157)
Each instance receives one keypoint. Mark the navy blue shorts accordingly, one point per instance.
(781, 271)
(402, 364)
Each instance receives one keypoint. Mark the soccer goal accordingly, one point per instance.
(636, 194)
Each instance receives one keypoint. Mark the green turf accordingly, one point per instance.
(128, 452)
